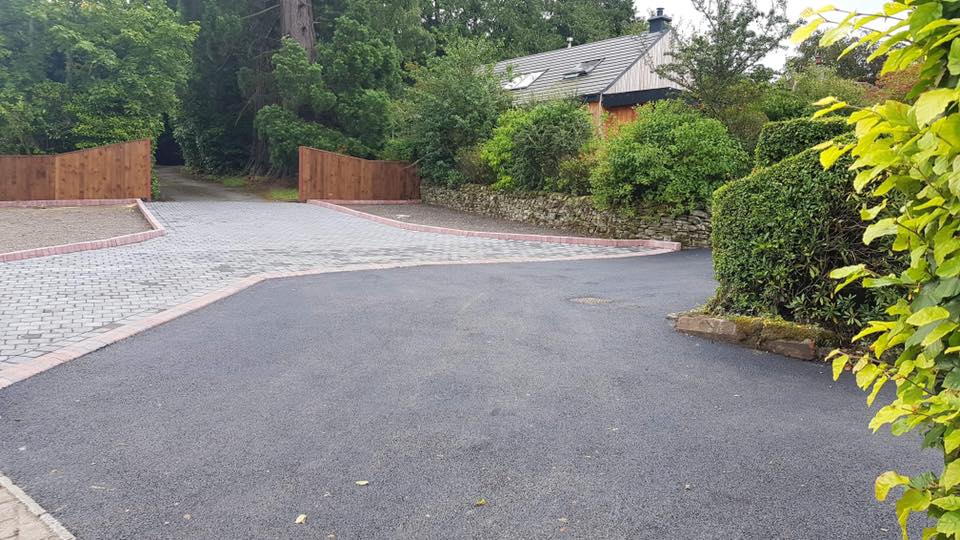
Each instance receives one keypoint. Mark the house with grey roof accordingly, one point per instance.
(613, 75)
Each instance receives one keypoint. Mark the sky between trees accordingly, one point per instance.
(685, 16)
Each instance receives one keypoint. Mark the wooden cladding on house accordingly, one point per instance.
(332, 176)
(117, 171)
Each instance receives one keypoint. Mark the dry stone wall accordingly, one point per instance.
(574, 213)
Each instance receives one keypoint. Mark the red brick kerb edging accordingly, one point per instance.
(42, 363)
(600, 242)
(156, 229)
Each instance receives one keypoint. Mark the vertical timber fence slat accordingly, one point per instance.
(332, 176)
(117, 171)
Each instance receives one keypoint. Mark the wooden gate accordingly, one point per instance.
(337, 177)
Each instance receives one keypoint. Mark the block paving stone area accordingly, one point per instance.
(18, 522)
(48, 303)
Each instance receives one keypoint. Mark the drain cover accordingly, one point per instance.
(590, 300)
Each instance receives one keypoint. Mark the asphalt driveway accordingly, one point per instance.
(554, 391)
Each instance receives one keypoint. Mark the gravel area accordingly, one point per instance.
(425, 214)
(29, 228)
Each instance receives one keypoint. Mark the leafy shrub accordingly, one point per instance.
(780, 140)
(671, 154)
(473, 167)
(453, 104)
(776, 236)
(573, 175)
(84, 74)
(778, 104)
(284, 132)
(814, 83)
(321, 107)
(529, 144)
(154, 186)
(905, 157)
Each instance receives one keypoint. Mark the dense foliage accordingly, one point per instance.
(365, 48)
(712, 65)
(521, 27)
(776, 236)
(855, 65)
(670, 154)
(81, 74)
(530, 145)
(911, 152)
(780, 140)
(453, 105)
(340, 103)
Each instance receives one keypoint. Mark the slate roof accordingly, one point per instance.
(618, 55)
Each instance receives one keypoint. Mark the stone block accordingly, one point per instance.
(803, 350)
(711, 327)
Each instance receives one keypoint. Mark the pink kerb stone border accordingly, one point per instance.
(156, 230)
(661, 245)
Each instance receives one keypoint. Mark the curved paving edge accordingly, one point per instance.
(19, 372)
(24, 518)
(122, 240)
(602, 242)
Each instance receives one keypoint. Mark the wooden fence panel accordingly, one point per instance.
(117, 171)
(332, 176)
(27, 178)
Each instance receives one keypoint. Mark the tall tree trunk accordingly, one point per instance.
(296, 21)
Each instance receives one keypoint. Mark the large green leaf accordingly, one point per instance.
(928, 315)
(931, 104)
(887, 481)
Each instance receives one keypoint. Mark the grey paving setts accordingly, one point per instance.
(47, 303)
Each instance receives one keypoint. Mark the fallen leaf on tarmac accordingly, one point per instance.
(480, 502)
(301, 519)
(362, 482)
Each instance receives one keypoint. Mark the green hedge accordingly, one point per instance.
(777, 234)
(780, 140)
(671, 154)
(530, 144)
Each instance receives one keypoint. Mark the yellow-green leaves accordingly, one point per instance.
(932, 104)
(953, 61)
(951, 475)
(907, 156)
(913, 500)
(848, 274)
(950, 502)
(950, 443)
(887, 481)
(869, 214)
(884, 227)
(928, 315)
(832, 153)
(804, 32)
(949, 523)
(839, 363)
(827, 110)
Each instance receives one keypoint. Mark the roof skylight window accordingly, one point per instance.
(522, 81)
(582, 68)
